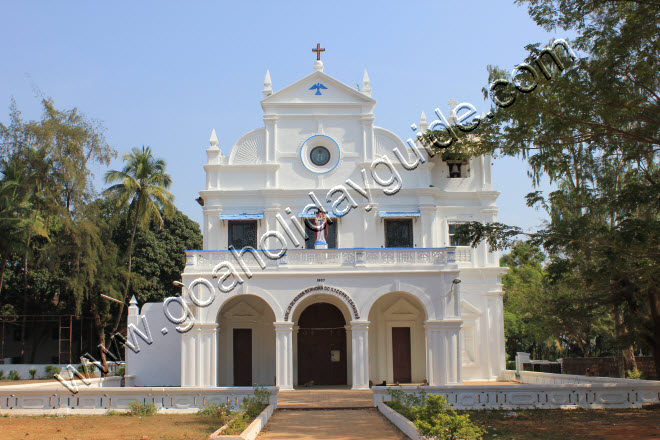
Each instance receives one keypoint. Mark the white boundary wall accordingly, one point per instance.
(23, 370)
(56, 399)
(547, 391)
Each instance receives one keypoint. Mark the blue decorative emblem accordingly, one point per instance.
(318, 87)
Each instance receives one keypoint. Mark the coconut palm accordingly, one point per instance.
(142, 185)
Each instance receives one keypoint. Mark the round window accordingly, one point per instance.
(319, 156)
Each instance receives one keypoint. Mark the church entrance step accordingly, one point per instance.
(352, 424)
(325, 399)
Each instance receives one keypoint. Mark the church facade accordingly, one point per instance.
(385, 293)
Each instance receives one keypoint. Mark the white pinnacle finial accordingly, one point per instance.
(318, 66)
(423, 125)
(453, 118)
(213, 141)
(133, 301)
(366, 89)
(268, 90)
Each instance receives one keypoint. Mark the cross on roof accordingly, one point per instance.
(318, 51)
(452, 103)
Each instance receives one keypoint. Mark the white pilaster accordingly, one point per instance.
(360, 351)
(428, 213)
(200, 356)
(497, 361)
(284, 355)
(443, 347)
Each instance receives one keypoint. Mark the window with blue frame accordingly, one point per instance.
(399, 233)
(242, 233)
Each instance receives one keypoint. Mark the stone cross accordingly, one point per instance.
(318, 51)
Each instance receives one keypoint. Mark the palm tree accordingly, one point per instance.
(142, 185)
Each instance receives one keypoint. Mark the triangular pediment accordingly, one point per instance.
(318, 88)
(242, 309)
(401, 308)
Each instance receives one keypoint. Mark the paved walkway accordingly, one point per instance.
(341, 424)
(325, 398)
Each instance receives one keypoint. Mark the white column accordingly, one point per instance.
(497, 361)
(428, 213)
(360, 351)
(133, 318)
(284, 355)
(199, 356)
(208, 349)
(443, 348)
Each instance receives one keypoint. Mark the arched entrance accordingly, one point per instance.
(397, 339)
(246, 342)
(322, 353)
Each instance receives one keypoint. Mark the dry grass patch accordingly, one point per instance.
(570, 424)
(116, 427)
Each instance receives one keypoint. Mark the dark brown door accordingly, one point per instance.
(322, 345)
(401, 354)
(242, 357)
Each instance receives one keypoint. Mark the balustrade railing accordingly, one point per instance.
(338, 258)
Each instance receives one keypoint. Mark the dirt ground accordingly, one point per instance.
(117, 427)
(577, 424)
(623, 424)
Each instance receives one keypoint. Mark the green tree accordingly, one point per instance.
(591, 126)
(142, 186)
(159, 254)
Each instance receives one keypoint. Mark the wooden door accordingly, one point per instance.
(401, 354)
(242, 357)
(322, 345)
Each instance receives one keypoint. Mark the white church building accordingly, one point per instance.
(390, 297)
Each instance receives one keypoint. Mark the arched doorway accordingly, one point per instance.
(397, 339)
(322, 352)
(246, 342)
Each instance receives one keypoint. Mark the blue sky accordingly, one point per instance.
(165, 73)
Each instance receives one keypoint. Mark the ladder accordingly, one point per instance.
(64, 340)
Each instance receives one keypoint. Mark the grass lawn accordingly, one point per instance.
(116, 427)
(574, 424)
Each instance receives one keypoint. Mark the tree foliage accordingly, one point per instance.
(593, 129)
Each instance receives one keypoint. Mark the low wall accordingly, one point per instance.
(17, 400)
(530, 396)
(94, 382)
(23, 370)
(533, 377)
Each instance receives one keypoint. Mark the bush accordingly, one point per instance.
(13, 375)
(86, 369)
(33, 372)
(433, 416)
(141, 409)
(253, 405)
(510, 365)
(437, 420)
(120, 371)
(634, 374)
(51, 371)
(2, 374)
(403, 403)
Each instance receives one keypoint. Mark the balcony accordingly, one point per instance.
(330, 259)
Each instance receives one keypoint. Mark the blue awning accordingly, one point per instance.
(398, 214)
(310, 215)
(241, 216)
